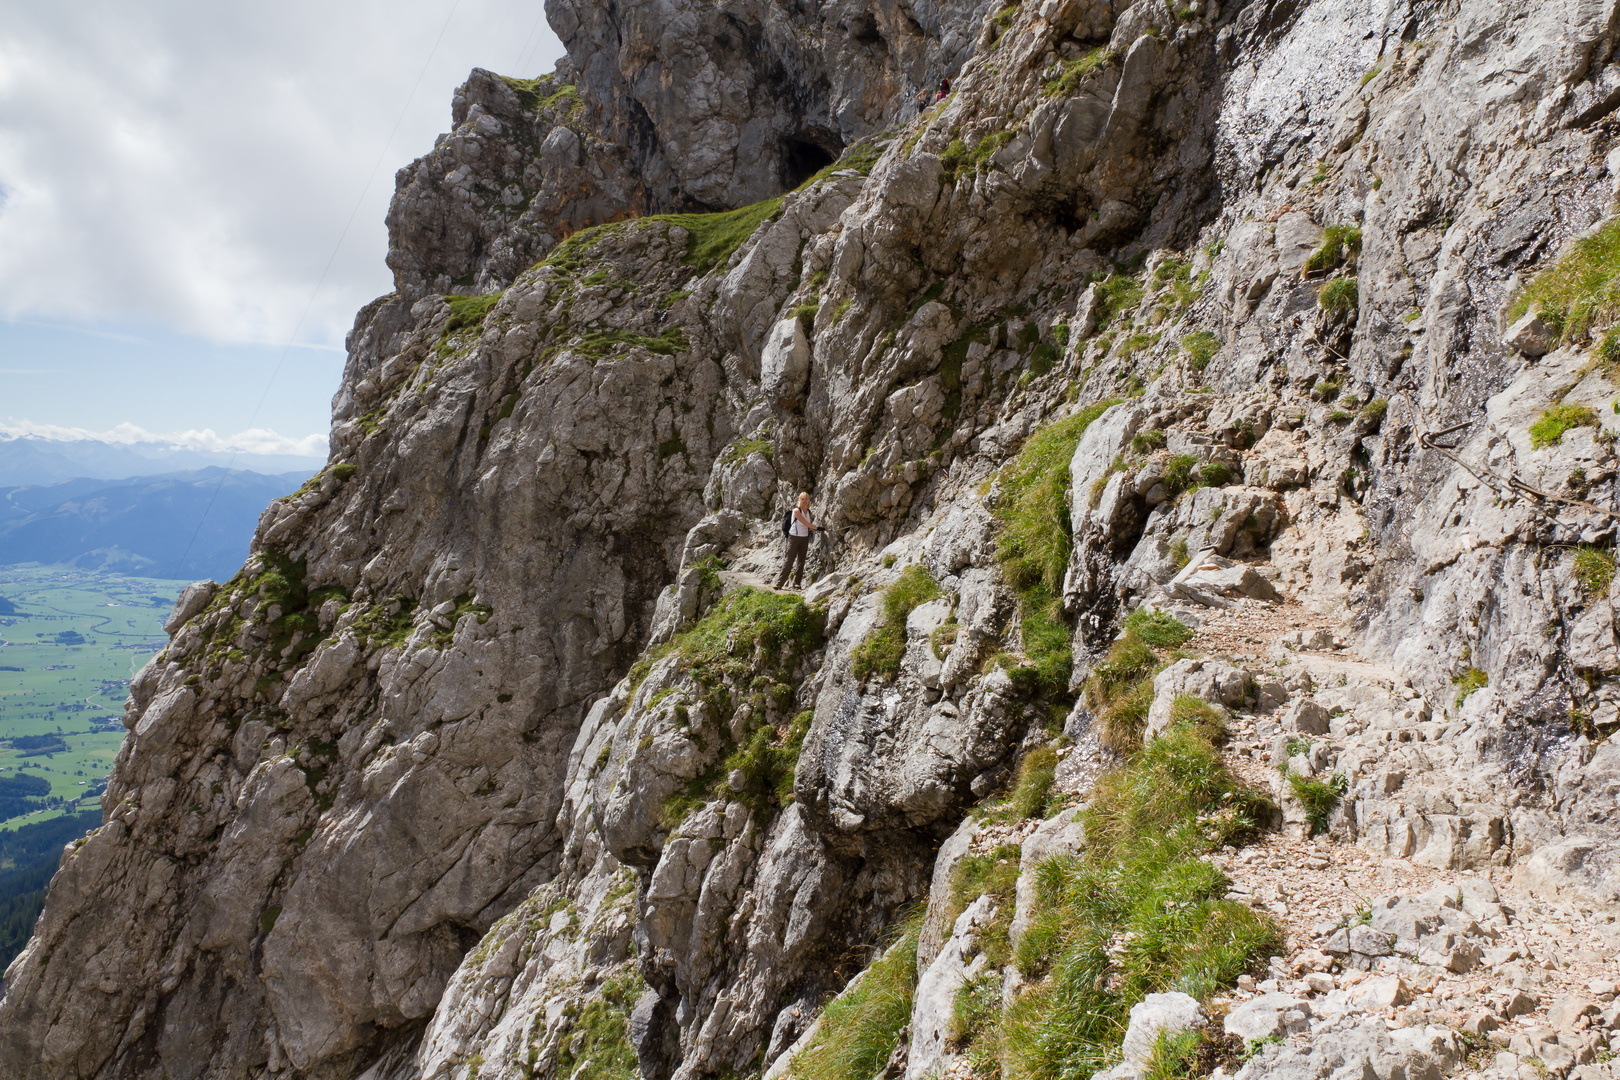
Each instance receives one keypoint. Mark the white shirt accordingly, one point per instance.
(799, 528)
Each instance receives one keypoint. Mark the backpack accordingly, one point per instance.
(787, 524)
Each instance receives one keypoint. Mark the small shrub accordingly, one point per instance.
(1469, 681)
(1549, 430)
(1339, 296)
(1158, 629)
(885, 647)
(1178, 552)
(1373, 412)
(1216, 474)
(1594, 569)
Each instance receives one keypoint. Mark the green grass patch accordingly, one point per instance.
(1339, 296)
(1180, 474)
(1076, 71)
(711, 238)
(1147, 440)
(1594, 569)
(1340, 244)
(597, 1046)
(1116, 295)
(1033, 547)
(1137, 342)
(1549, 430)
(1158, 629)
(1200, 347)
(742, 448)
(1119, 692)
(1036, 533)
(1580, 291)
(744, 620)
(861, 1026)
(885, 646)
(468, 312)
(1139, 912)
(1035, 776)
(1373, 412)
(601, 343)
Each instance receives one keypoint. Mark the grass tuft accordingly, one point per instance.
(1339, 296)
(1319, 797)
(1077, 70)
(1035, 776)
(1200, 347)
(1119, 692)
(468, 312)
(1340, 244)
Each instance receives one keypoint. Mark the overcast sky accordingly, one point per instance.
(175, 178)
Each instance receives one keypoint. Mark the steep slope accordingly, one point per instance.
(495, 760)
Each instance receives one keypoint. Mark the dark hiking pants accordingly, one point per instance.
(797, 548)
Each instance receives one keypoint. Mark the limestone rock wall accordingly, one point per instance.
(437, 787)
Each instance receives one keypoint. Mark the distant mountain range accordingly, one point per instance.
(30, 460)
(183, 525)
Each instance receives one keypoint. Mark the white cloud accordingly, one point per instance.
(251, 441)
(194, 166)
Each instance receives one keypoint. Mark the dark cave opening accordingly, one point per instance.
(802, 159)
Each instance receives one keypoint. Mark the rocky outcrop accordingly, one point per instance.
(496, 759)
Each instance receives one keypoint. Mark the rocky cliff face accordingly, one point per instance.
(497, 759)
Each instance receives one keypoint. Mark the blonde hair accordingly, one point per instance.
(804, 496)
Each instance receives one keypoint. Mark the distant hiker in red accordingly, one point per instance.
(944, 88)
(797, 527)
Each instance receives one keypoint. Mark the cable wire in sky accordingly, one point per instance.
(315, 292)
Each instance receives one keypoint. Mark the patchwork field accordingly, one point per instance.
(70, 640)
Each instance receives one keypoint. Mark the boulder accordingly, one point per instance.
(1266, 1017)
(1530, 335)
(1170, 1014)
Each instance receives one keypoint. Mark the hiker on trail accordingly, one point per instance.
(924, 99)
(944, 88)
(797, 527)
